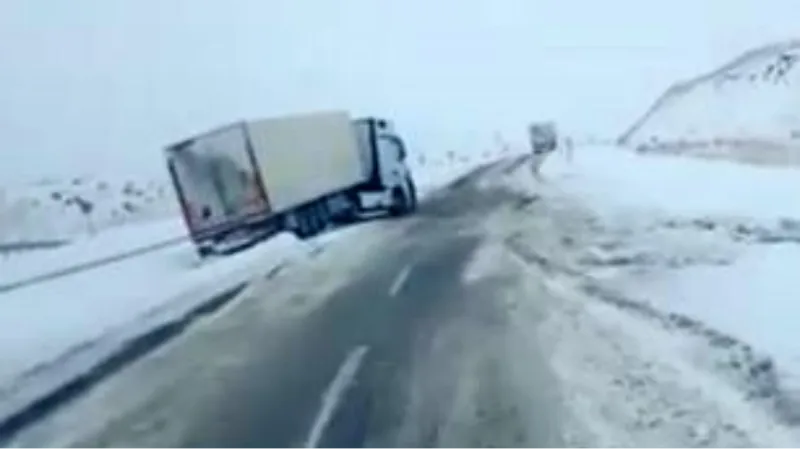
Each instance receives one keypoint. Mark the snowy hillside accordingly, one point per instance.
(748, 109)
(53, 210)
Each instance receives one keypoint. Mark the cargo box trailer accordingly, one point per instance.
(246, 181)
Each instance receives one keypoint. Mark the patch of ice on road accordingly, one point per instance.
(484, 261)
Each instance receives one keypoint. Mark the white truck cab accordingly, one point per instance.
(390, 186)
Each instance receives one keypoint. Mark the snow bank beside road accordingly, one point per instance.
(712, 241)
(616, 177)
(105, 244)
(753, 297)
(630, 375)
(53, 332)
(433, 173)
(635, 372)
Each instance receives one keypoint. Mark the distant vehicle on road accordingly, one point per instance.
(544, 137)
(249, 180)
(544, 140)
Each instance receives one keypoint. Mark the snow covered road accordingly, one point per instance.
(500, 315)
(65, 312)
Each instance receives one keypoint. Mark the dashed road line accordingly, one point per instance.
(400, 280)
(334, 394)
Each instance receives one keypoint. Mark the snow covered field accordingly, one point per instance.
(89, 249)
(69, 208)
(712, 246)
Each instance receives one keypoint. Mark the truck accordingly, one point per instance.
(544, 137)
(544, 140)
(246, 181)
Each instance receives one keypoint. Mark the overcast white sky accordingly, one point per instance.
(102, 85)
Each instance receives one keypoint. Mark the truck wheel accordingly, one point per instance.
(400, 204)
(312, 218)
(314, 221)
(324, 215)
(320, 215)
(303, 227)
(204, 251)
(351, 213)
(412, 190)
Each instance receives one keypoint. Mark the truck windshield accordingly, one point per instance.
(394, 145)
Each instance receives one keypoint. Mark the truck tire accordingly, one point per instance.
(400, 202)
(204, 251)
(412, 189)
(303, 229)
(315, 220)
(325, 215)
(351, 213)
(312, 220)
(321, 216)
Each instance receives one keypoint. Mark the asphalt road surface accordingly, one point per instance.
(382, 339)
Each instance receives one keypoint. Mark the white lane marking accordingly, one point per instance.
(333, 395)
(399, 280)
